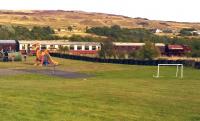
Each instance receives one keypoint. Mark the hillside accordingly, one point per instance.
(80, 20)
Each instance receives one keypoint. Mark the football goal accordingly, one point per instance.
(178, 66)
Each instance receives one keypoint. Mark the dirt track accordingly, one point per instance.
(4, 72)
(57, 73)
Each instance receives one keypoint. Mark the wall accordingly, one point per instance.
(188, 63)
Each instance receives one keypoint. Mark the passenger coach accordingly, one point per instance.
(75, 48)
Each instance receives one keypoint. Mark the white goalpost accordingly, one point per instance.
(177, 69)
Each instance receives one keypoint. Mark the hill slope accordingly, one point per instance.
(80, 20)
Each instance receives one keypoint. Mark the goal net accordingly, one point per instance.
(179, 69)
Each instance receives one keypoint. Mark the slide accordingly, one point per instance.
(50, 60)
(43, 57)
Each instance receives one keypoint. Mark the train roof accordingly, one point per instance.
(66, 42)
(135, 44)
(7, 41)
(175, 47)
(59, 42)
(128, 44)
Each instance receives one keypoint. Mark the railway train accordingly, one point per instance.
(87, 48)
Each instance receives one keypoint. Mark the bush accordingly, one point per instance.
(17, 56)
(122, 34)
(63, 49)
(22, 33)
(78, 38)
(188, 32)
(148, 52)
(107, 49)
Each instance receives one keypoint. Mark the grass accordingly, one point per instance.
(115, 93)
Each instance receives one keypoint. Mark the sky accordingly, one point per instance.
(169, 10)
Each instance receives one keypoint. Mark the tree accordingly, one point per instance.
(149, 51)
(60, 49)
(70, 28)
(22, 33)
(107, 49)
(116, 28)
(134, 54)
(63, 49)
(188, 32)
(42, 33)
(78, 38)
(121, 54)
(7, 32)
(48, 30)
(122, 34)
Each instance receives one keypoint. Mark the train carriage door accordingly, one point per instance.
(28, 48)
(1, 48)
(17, 46)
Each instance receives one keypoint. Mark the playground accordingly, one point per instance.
(42, 58)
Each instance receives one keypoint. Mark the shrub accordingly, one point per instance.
(148, 52)
(107, 49)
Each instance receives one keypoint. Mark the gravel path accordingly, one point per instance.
(58, 73)
(49, 72)
(10, 72)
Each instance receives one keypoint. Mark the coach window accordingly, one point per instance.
(87, 48)
(52, 47)
(43, 47)
(93, 47)
(79, 47)
(71, 47)
(60, 46)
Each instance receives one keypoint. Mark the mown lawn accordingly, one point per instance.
(114, 93)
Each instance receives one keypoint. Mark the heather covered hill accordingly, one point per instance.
(80, 20)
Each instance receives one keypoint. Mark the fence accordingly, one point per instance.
(188, 63)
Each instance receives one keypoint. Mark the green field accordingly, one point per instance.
(113, 93)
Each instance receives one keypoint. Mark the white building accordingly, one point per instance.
(159, 31)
